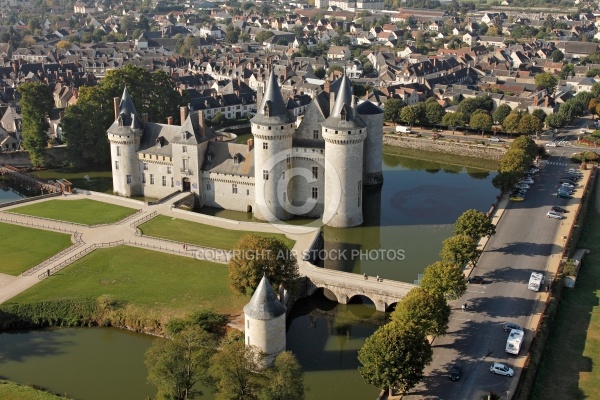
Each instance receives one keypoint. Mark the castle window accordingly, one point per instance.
(145, 166)
(349, 132)
(344, 114)
(164, 181)
(143, 178)
(265, 175)
(169, 170)
(116, 165)
(118, 151)
(281, 127)
(234, 188)
(288, 158)
(247, 192)
(316, 134)
(269, 128)
(129, 179)
(208, 186)
(315, 172)
(336, 132)
(151, 179)
(267, 109)
(172, 182)
(315, 193)
(265, 146)
(283, 175)
(184, 149)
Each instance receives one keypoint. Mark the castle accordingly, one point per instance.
(314, 167)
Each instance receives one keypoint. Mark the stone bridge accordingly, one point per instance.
(345, 285)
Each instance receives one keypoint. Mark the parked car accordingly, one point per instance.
(554, 214)
(551, 144)
(568, 185)
(563, 195)
(501, 369)
(527, 180)
(495, 139)
(517, 198)
(575, 171)
(520, 193)
(475, 279)
(566, 190)
(523, 186)
(456, 372)
(509, 326)
(559, 209)
(533, 170)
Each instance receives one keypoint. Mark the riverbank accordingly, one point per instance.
(15, 391)
(442, 157)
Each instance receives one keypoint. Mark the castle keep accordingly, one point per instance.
(315, 167)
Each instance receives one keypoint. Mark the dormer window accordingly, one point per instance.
(267, 109)
(344, 114)
(120, 120)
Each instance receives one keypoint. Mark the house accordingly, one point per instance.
(338, 53)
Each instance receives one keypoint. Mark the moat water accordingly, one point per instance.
(413, 211)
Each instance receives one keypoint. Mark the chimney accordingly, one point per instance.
(326, 86)
(331, 102)
(183, 113)
(201, 120)
(144, 117)
(170, 120)
(116, 104)
(535, 100)
(250, 143)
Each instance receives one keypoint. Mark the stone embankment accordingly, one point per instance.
(53, 156)
(452, 146)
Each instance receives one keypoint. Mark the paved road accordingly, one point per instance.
(521, 245)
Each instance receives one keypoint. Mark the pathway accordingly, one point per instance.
(87, 238)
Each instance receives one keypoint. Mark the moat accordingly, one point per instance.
(413, 211)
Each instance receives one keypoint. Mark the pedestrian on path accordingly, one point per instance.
(48, 272)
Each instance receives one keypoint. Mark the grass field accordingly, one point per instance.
(96, 180)
(569, 366)
(166, 284)
(23, 248)
(84, 211)
(13, 391)
(444, 158)
(200, 234)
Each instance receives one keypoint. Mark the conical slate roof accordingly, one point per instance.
(264, 304)
(273, 99)
(127, 115)
(343, 115)
(342, 97)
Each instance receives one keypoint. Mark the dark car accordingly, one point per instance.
(475, 279)
(456, 372)
(564, 195)
(559, 209)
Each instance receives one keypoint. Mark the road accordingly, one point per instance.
(522, 244)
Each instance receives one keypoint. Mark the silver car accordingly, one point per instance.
(501, 369)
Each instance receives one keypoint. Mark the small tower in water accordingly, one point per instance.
(264, 322)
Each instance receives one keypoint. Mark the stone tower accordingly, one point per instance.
(344, 133)
(264, 322)
(373, 118)
(272, 128)
(124, 137)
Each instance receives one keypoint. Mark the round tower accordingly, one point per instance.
(264, 322)
(272, 128)
(373, 118)
(124, 137)
(344, 133)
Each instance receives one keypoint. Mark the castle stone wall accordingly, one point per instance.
(372, 174)
(303, 181)
(267, 335)
(218, 192)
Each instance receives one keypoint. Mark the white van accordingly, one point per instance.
(514, 341)
(536, 280)
(402, 129)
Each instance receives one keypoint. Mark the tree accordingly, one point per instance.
(392, 109)
(567, 71)
(434, 112)
(592, 105)
(320, 72)
(428, 310)
(557, 55)
(460, 249)
(285, 380)
(64, 44)
(367, 68)
(409, 114)
(36, 103)
(556, 120)
(474, 224)
(333, 68)
(217, 120)
(468, 106)
(505, 181)
(452, 119)
(501, 113)
(592, 72)
(481, 121)
(255, 255)
(175, 366)
(530, 124)
(511, 122)
(232, 36)
(263, 35)
(514, 160)
(395, 357)
(539, 114)
(546, 81)
(445, 278)
(233, 370)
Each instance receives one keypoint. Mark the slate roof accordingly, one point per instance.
(344, 104)
(229, 158)
(264, 304)
(278, 113)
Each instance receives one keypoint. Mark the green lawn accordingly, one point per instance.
(568, 368)
(84, 211)
(14, 391)
(23, 248)
(200, 234)
(96, 180)
(163, 283)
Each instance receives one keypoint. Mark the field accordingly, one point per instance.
(14, 391)
(567, 370)
(98, 181)
(444, 158)
(165, 284)
(84, 211)
(23, 248)
(199, 234)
